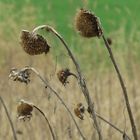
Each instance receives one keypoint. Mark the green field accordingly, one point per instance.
(119, 19)
(113, 14)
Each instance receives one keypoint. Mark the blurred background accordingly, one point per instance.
(121, 24)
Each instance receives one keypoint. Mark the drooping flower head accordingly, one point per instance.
(87, 24)
(33, 44)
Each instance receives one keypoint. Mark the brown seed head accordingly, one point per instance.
(33, 44)
(24, 110)
(63, 76)
(79, 111)
(87, 24)
(81, 107)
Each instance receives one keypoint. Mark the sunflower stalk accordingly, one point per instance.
(47, 121)
(9, 118)
(81, 80)
(57, 95)
(125, 94)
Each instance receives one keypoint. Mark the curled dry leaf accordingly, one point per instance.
(22, 75)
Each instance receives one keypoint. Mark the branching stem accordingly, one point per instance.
(48, 86)
(81, 82)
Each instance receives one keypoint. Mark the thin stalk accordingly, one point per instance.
(133, 126)
(110, 101)
(82, 85)
(48, 86)
(51, 130)
(9, 118)
(81, 82)
(112, 125)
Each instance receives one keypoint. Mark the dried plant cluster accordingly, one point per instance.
(87, 24)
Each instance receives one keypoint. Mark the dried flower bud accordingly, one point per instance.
(63, 75)
(24, 110)
(109, 40)
(33, 44)
(87, 24)
(79, 111)
(81, 107)
(20, 75)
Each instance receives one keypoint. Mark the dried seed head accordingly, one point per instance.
(33, 44)
(79, 111)
(63, 76)
(87, 24)
(109, 40)
(22, 75)
(81, 107)
(24, 110)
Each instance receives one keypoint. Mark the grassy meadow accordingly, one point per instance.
(121, 23)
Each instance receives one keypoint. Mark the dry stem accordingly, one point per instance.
(81, 82)
(112, 125)
(9, 118)
(133, 126)
(48, 86)
(47, 121)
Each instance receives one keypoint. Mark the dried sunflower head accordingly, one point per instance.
(79, 111)
(33, 44)
(87, 24)
(22, 75)
(24, 110)
(63, 76)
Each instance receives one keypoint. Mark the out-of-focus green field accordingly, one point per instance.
(113, 14)
(120, 21)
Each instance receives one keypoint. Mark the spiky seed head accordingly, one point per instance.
(33, 44)
(87, 24)
(24, 110)
(63, 76)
